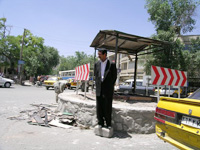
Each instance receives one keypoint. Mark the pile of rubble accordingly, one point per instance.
(43, 115)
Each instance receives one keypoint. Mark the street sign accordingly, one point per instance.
(166, 76)
(20, 62)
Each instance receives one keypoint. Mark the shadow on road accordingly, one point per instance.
(121, 135)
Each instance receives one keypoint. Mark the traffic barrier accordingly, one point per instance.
(166, 76)
(82, 72)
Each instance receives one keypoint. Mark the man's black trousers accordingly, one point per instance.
(104, 110)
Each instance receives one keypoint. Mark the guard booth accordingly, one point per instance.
(124, 43)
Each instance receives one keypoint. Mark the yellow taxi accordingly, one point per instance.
(178, 121)
(49, 83)
(173, 91)
(71, 83)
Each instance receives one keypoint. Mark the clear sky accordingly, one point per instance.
(71, 25)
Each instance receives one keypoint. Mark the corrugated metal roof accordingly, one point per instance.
(127, 43)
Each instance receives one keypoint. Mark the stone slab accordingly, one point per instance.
(104, 132)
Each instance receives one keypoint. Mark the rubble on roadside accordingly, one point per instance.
(43, 115)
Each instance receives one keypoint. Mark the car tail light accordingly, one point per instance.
(163, 115)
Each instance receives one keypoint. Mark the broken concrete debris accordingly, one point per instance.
(57, 123)
(44, 116)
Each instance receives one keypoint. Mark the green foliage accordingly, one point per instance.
(170, 17)
(71, 62)
(195, 45)
(2, 26)
(39, 59)
(170, 57)
(50, 59)
(10, 48)
(178, 14)
(67, 63)
(192, 57)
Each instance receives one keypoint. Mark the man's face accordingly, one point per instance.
(102, 57)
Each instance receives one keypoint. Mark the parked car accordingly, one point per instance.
(165, 91)
(5, 82)
(49, 83)
(128, 85)
(72, 83)
(178, 121)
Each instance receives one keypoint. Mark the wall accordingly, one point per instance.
(134, 118)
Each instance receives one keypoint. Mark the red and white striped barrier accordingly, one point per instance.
(82, 72)
(166, 76)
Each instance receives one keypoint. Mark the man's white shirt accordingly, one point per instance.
(103, 67)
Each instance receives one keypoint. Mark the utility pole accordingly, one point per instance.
(21, 65)
(5, 58)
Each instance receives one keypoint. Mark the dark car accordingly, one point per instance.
(128, 86)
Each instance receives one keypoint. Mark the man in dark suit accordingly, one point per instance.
(105, 76)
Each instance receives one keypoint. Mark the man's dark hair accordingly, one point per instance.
(103, 51)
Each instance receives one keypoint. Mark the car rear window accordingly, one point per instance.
(195, 95)
(53, 79)
(126, 83)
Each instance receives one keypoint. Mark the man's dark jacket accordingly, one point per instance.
(110, 76)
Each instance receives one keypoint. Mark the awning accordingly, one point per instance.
(126, 43)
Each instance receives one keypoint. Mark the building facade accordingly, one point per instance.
(126, 63)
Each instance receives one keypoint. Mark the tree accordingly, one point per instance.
(3, 44)
(9, 47)
(49, 60)
(172, 14)
(192, 57)
(71, 62)
(170, 17)
(39, 59)
(12, 51)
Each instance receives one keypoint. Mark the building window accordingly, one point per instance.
(141, 63)
(124, 55)
(140, 77)
(112, 58)
(139, 72)
(124, 66)
(131, 65)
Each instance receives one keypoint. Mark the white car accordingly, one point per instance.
(172, 92)
(5, 82)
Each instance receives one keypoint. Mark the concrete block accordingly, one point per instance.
(105, 132)
(98, 130)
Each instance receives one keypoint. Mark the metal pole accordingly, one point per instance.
(117, 62)
(21, 52)
(85, 89)
(179, 92)
(169, 91)
(158, 94)
(135, 72)
(77, 87)
(116, 49)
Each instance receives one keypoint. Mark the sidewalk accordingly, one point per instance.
(28, 83)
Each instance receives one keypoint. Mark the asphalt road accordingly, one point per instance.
(17, 134)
